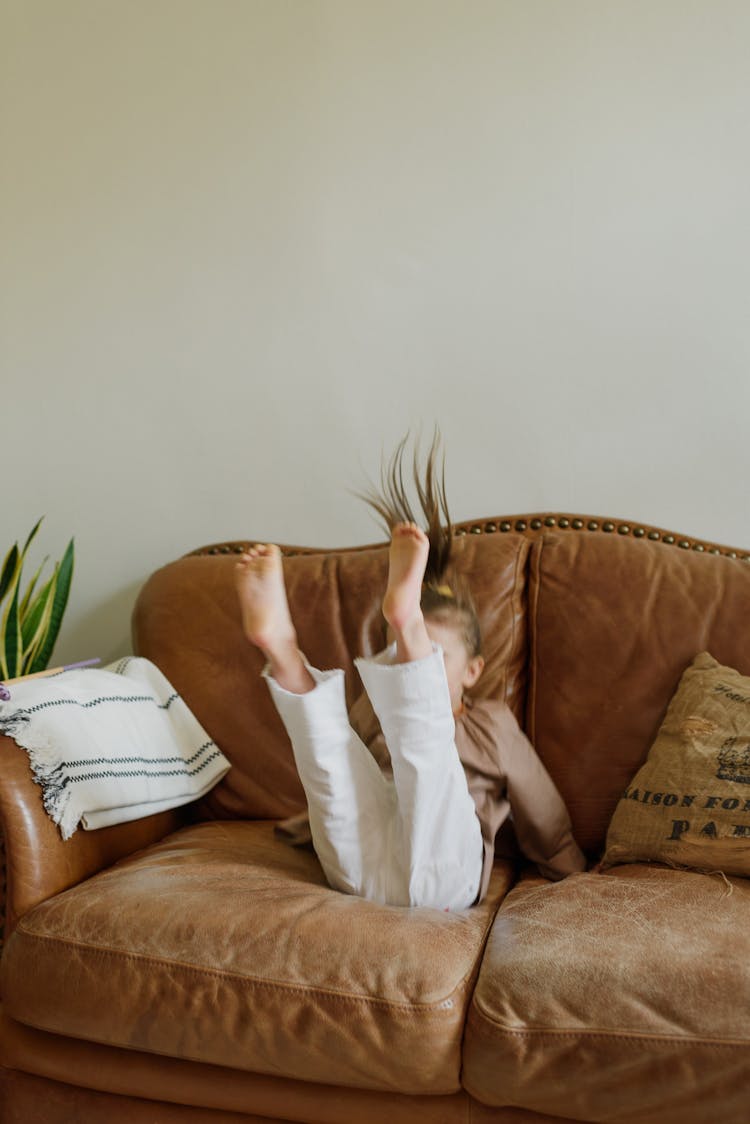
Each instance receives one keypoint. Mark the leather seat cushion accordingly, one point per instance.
(224, 945)
(620, 996)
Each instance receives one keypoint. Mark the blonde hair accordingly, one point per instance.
(445, 596)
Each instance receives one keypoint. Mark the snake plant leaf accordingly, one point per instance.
(15, 558)
(35, 620)
(25, 608)
(63, 576)
(32, 654)
(32, 536)
(11, 643)
(10, 566)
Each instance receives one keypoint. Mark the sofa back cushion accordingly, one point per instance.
(614, 621)
(187, 621)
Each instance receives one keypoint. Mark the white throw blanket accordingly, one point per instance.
(110, 745)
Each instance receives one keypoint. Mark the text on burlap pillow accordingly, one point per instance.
(689, 804)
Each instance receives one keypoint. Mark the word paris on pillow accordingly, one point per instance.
(689, 804)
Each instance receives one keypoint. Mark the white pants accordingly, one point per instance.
(413, 839)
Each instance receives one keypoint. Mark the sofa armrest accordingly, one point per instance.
(39, 863)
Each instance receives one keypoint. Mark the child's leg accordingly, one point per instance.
(350, 803)
(440, 834)
(268, 625)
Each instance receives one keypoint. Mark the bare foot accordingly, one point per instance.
(259, 579)
(401, 604)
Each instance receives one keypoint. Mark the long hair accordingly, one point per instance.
(445, 596)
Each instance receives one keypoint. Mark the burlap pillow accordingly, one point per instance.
(689, 804)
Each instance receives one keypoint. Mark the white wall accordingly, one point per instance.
(246, 243)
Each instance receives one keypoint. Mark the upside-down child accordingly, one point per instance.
(410, 818)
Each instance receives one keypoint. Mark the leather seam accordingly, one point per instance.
(624, 1036)
(340, 996)
(521, 556)
(535, 567)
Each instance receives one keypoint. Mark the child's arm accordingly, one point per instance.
(540, 818)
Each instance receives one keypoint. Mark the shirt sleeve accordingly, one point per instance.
(540, 818)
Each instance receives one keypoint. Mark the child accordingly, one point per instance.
(425, 835)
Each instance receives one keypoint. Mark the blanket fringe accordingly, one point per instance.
(46, 769)
(12, 724)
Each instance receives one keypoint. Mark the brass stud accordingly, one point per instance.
(476, 530)
(490, 528)
(505, 525)
(240, 549)
(593, 525)
(623, 529)
(578, 524)
(608, 527)
(731, 554)
(536, 524)
(564, 522)
(520, 524)
(639, 532)
(460, 531)
(714, 550)
(669, 539)
(684, 544)
(699, 547)
(746, 557)
(550, 521)
(214, 550)
(654, 536)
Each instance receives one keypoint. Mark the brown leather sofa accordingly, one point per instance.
(191, 967)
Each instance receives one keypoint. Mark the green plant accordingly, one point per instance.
(31, 621)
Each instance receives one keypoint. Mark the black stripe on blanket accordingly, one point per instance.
(131, 760)
(98, 702)
(143, 772)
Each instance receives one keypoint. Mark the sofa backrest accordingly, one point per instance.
(616, 614)
(187, 621)
(588, 624)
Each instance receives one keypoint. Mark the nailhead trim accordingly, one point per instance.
(608, 527)
(525, 524)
